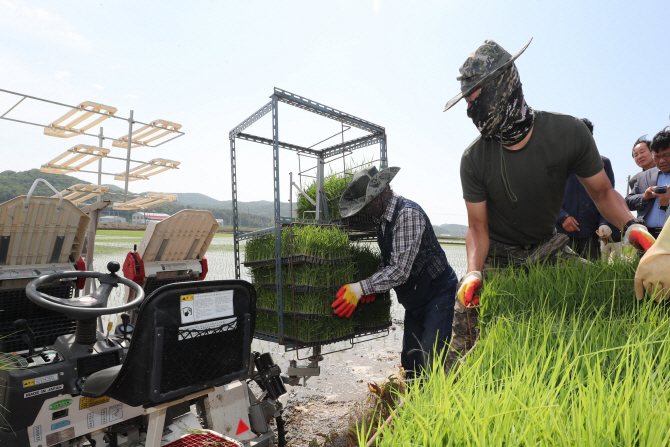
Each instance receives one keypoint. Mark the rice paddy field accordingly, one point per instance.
(567, 357)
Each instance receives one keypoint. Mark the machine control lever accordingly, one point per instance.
(125, 328)
(28, 335)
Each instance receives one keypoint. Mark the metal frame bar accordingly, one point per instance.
(282, 145)
(23, 97)
(260, 113)
(323, 110)
(278, 225)
(358, 143)
(377, 135)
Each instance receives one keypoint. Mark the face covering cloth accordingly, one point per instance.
(500, 111)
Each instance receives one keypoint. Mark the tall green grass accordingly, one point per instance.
(568, 357)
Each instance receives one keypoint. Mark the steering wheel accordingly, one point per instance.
(89, 306)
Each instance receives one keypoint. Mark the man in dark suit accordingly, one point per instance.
(643, 158)
(652, 206)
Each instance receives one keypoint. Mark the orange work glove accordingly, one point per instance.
(348, 297)
(639, 237)
(468, 289)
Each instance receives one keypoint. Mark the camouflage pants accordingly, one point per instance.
(554, 250)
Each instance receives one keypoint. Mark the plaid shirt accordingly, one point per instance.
(407, 233)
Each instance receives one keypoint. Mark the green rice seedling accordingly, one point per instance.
(553, 367)
(319, 241)
(324, 275)
(260, 248)
(515, 291)
(324, 242)
(324, 329)
(266, 298)
(374, 314)
(315, 275)
(334, 186)
(368, 260)
(312, 302)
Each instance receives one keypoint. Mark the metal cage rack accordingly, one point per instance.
(375, 135)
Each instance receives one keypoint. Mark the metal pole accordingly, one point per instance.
(101, 141)
(319, 189)
(130, 143)
(382, 152)
(290, 194)
(234, 219)
(277, 213)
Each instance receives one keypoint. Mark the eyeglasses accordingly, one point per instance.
(665, 156)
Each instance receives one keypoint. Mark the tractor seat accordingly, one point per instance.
(189, 337)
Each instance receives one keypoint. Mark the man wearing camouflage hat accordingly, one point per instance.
(414, 265)
(513, 177)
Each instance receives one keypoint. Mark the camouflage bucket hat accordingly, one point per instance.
(488, 61)
(363, 187)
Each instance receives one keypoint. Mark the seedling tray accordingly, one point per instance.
(298, 315)
(360, 330)
(302, 343)
(298, 259)
(302, 287)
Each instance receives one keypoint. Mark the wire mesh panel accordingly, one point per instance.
(202, 354)
(47, 325)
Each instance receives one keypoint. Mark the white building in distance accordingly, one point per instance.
(139, 218)
(112, 219)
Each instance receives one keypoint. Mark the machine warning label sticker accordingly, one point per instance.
(37, 433)
(88, 402)
(206, 306)
(200, 329)
(40, 380)
(61, 436)
(43, 391)
(59, 424)
(111, 414)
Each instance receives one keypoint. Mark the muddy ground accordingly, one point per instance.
(325, 403)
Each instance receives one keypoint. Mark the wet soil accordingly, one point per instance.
(326, 404)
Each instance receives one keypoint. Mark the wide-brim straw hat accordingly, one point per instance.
(363, 187)
(488, 61)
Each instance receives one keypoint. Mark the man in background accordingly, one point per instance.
(648, 197)
(643, 158)
(580, 219)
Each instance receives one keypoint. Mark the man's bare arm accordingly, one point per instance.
(609, 202)
(477, 238)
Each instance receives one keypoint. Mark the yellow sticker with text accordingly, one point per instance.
(187, 297)
(29, 382)
(88, 402)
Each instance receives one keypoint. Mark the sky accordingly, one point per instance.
(208, 65)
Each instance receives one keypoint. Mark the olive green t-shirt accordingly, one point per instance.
(537, 173)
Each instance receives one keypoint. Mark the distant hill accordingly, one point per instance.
(13, 184)
(451, 229)
(257, 214)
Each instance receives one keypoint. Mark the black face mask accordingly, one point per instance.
(376, 208)
(500, 111)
